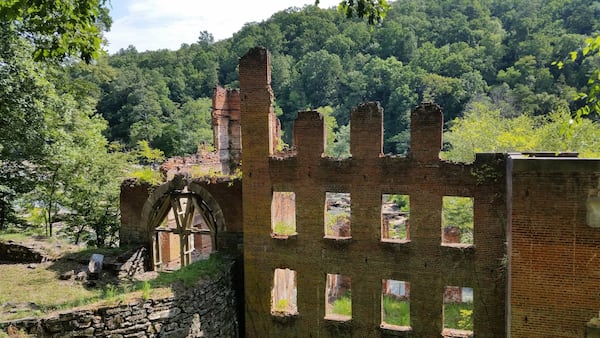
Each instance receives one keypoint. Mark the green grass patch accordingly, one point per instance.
(189, 275)
(396, 312)
(147, 175)
(281, 228)
(458, 316)
(343, 306)
(282, 305)
(20, 235)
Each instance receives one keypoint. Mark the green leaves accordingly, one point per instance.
(373, 10)
(59, 28)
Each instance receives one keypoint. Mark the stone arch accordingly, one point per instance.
(159, 204)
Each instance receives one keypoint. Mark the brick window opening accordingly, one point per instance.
(458, 312)
(284, 293)
(337, 215)
(395, 211)
(338, 298)
(283, 214)
(395, 305)
(457, 221)
(593, 212)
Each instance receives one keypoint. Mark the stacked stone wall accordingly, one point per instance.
(15, 252)
(207, 309)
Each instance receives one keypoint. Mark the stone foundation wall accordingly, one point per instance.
(15, 252)
(206, 310)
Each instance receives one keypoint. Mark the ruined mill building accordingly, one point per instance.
(314, 230)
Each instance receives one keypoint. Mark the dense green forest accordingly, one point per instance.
(455, 52)
(72, 128)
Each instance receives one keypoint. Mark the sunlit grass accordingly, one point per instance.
(396, 312)
(38, 291)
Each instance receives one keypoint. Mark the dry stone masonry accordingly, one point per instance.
(207, 309)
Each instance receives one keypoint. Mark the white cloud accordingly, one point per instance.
(158, 24)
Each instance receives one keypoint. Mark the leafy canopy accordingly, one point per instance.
(373, 10)
(58, 28)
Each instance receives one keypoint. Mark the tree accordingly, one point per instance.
(484, 129)
(591, 98)
(23, 95)
(373, 10)
(58, 28)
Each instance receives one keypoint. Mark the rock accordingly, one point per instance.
(67, 275)
(95, 265)
(82, 275)
(32, 266)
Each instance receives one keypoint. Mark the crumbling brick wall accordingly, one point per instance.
(364, 258)
(139, 201)
(554, 254)
(227, 132)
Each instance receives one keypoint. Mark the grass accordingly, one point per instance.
(458, 316)
(282, 305)
(147, 175)
(190, 274)
(343, 306)
(19, 284)
(281, 228)
(39, 291)
(395, 312)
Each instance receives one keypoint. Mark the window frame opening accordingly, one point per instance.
(458, 221)
(188, 225)
(395, 218)
(338, 216)
(395, 305)
(338, 297)
(458, 312)
(283, 214)
(284, 293)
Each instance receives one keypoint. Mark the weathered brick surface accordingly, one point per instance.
(554, 255)
(132, 198)
(423, 261)
(226, 126)
(140, 205)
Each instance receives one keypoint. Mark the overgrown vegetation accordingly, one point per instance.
(71, 131)
(343, 305)
(458, 316)
(43, 292)
(458, 212)
(190, 274)
(281, 228)
(395, 311)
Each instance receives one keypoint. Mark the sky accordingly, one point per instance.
(160, 24)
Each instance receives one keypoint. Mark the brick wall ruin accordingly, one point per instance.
(317, 230)
(554, 247)
(139, 203)
(363, 259)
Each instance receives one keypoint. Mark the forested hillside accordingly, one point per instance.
(458, 53)
(74, 122)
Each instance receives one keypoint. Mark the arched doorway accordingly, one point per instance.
(183, 221)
